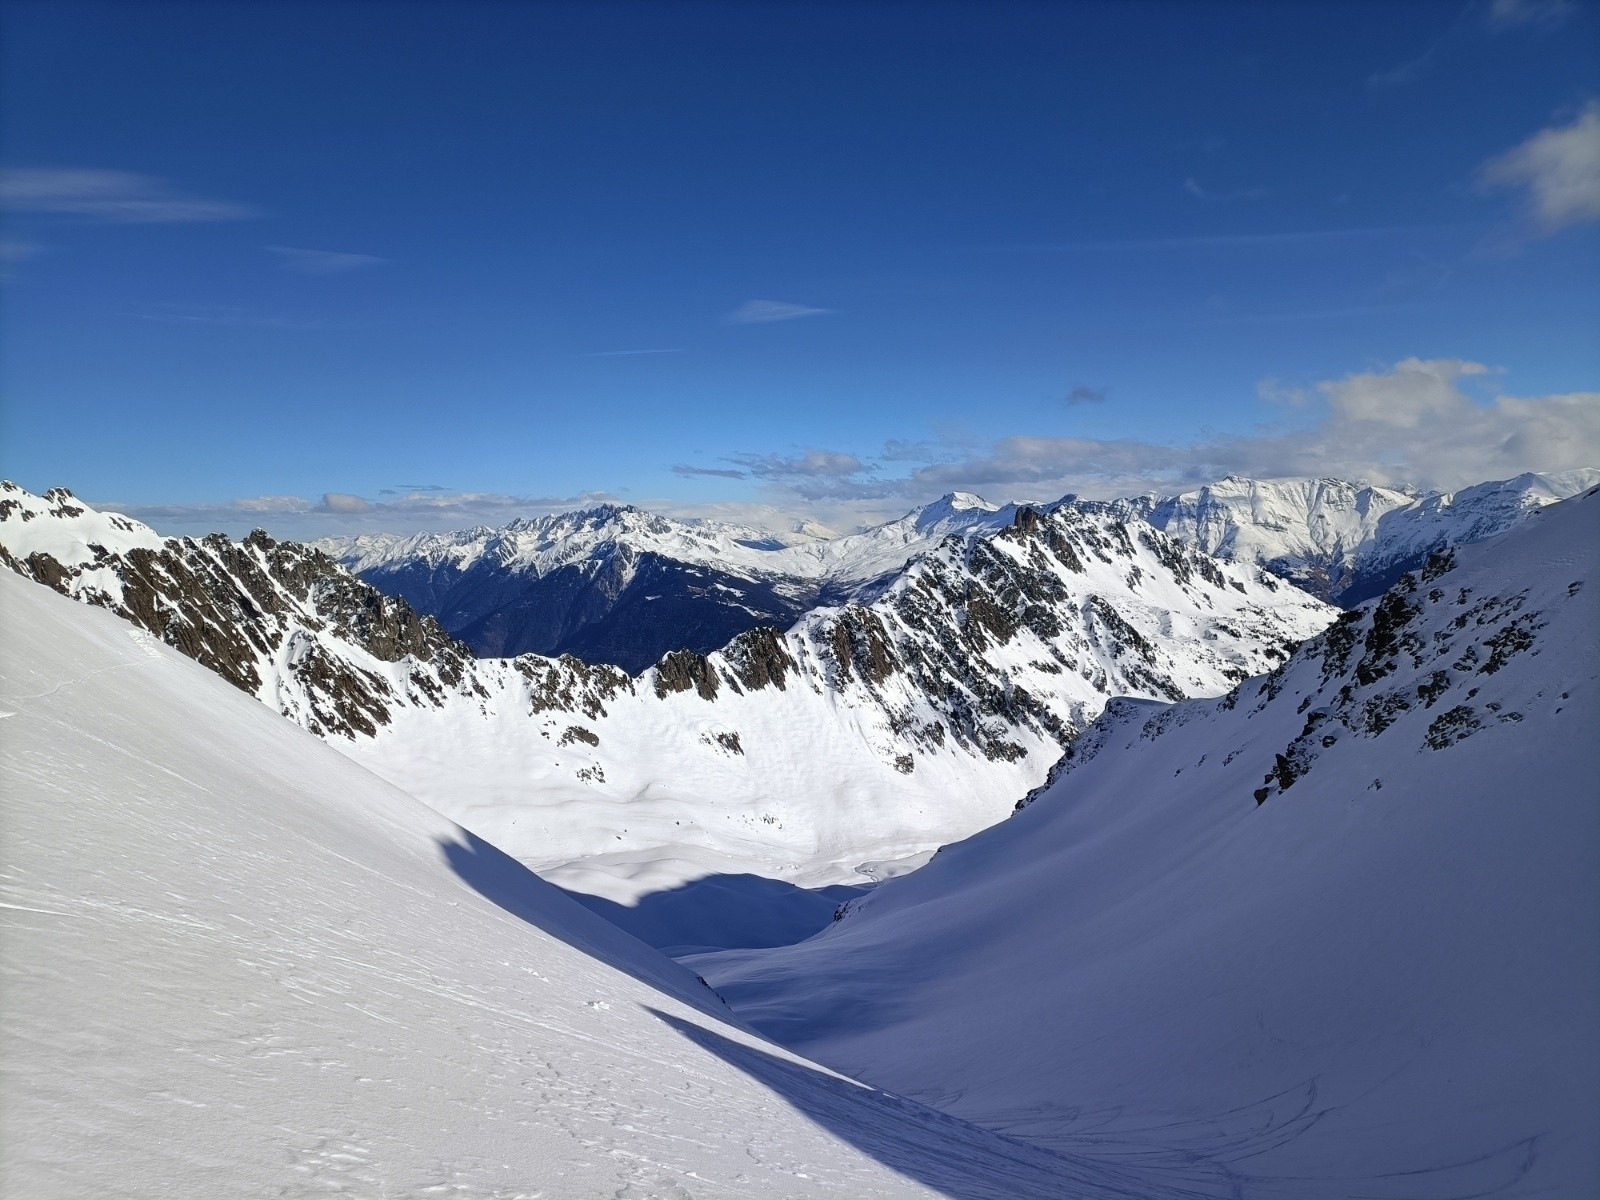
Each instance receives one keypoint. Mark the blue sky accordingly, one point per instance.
(381, 265)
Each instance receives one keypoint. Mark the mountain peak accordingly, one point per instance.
(965, 500)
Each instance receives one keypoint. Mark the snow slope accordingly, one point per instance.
(844, 750)
(1344, 541)
(619, 585)
(1337, 933)
(237, 965)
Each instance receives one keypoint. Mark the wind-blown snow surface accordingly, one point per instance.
(1337, 933)
(236, 964)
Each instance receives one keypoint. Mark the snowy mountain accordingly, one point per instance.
(844, 750)
(277, 619)
(238, 965)
(1334, 934)
(622, 586)
(1342, 541)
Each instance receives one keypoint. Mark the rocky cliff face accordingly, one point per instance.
(279, 620)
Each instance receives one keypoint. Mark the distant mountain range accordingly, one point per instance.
(622, 586)
(1345, 542)
(962, 648)
(619, 585)
(839, 751)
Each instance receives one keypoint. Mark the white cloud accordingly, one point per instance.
(119, 197)
(322, 262)
(344, 502)
(759, 312)
(1409, 424)
(1559, 169)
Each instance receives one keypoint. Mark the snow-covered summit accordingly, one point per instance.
(59, 524)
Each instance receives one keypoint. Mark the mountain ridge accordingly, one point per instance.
(866, 735)
(620, 585)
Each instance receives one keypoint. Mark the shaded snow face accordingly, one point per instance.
(1335, 933)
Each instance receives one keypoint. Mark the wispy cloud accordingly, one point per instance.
(1194, 188)
(322, 262)
(15, 250)
(1558, 170)
(1227, 240)
(760, 312)
(1438, 423)
(118, 197)
(811, 464)
(811, 471)
(426, 508)
(1409, 71)
(1511, 14)
(1471, 22)
(691, 472)
(237, 317)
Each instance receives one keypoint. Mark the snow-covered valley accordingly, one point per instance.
(1316, 926)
